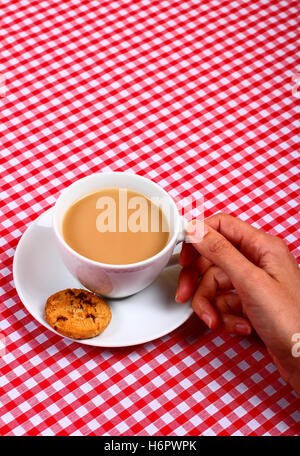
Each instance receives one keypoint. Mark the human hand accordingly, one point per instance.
(249, 280)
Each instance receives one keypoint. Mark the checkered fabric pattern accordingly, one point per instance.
(196, 95)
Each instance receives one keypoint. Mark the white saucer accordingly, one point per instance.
(39, 272)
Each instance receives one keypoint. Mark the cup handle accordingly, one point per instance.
(181, 236)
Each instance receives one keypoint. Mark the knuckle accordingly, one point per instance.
(217, 274)
(213, 269)
(221, 216)
(218, 217)
(254, 274)
(217, 245)
(279, 244)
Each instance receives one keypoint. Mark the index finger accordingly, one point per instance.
(248, 239)
(264, 250)
(221, 252)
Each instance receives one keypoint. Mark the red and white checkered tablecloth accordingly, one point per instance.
(196, 95)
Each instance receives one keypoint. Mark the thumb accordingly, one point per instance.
(217, 249)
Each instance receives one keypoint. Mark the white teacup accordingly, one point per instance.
(116, 281)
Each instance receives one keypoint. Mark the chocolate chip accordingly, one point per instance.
(81, 295)
(71, 292)
(61, 318)
(91, 316)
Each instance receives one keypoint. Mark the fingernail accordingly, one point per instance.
(207, 319)
(191, 227)
(196, 230)
(243, 328)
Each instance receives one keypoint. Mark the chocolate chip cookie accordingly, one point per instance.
(77, 313)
